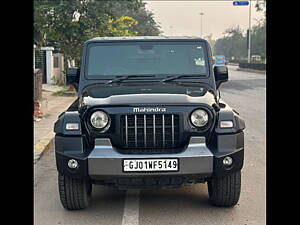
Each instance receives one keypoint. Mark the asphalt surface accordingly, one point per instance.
(245, 92)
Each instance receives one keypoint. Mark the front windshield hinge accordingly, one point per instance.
(219, 96)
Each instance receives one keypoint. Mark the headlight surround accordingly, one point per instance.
(99, 119)
(199, 118)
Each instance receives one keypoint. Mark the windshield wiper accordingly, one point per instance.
(119, 79)
(180, 76)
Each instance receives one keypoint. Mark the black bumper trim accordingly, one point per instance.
(151, 182)
(62, 165)
(238, 161)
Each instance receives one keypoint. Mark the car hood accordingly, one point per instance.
(148, 94)
(150, 99)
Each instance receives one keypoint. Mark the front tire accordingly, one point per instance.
(225, 191)
(74, 193)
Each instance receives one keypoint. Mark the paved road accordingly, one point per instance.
(53, 107)
(246, 92)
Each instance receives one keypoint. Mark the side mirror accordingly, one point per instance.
(221, 74)
(73, 77)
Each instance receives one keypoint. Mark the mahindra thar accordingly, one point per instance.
(148, 115)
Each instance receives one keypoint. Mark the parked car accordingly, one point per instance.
(148, 115)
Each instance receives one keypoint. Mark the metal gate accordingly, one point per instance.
(40, 63)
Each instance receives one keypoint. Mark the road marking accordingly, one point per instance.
(131, 208)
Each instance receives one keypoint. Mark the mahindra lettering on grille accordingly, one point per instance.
(150, 130)
(149, 110)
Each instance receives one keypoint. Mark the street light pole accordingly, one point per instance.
(34, 46)
(201, 14)
(249, 38)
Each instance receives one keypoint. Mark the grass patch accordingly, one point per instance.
(64, 92)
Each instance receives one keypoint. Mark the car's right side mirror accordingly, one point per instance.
(221, 74)
(73, 77)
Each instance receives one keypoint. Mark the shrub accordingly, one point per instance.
(255, 66)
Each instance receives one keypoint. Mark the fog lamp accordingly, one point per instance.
(73, 164)
(227, 161)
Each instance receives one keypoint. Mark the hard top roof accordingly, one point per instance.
(144, 38)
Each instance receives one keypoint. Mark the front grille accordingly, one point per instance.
(150, 131)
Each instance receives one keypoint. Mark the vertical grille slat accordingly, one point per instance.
(163, 130)
(149, 132)
(154, 133)
(145, 131)
(135, 130)
(126, 130)
(172, 130)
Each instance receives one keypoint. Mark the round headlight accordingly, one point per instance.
(199, 118)
(99, 119)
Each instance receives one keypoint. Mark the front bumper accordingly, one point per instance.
(104, 160)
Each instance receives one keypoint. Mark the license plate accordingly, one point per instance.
(150, 165)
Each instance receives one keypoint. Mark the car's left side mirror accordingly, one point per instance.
(72, 77)
(221, 74)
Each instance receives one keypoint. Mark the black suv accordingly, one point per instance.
(148, 115)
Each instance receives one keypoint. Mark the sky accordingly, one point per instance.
(182, 17)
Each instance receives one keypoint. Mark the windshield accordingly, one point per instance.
(146, 58)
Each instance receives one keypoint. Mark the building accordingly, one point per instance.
(51, 63)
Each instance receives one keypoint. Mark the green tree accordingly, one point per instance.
(122, 26)
(42, 10)
(211, 41)
(258, 39)
(232, 44)
(234, 41)
(259, 31)
(261, 6)
(136, 9)
(66, 25)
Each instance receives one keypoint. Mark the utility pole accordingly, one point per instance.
(34, 46)
(171, 30)
(245, 3)
(249, 37)
(201, 14)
